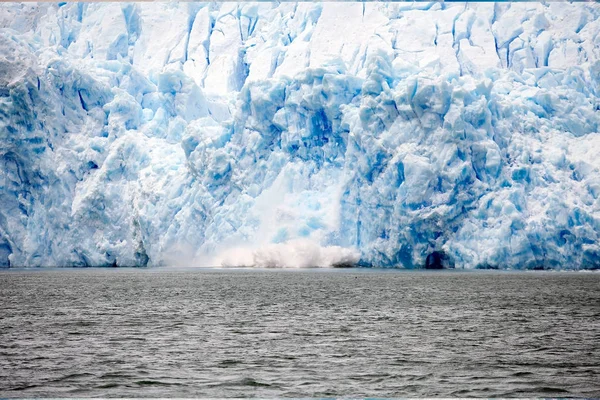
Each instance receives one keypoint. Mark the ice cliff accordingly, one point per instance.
(388, 134)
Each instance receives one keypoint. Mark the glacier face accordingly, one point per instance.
(378, 133)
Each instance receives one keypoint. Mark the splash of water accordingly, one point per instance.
(297, 253)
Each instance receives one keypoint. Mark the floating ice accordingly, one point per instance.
(312, 134)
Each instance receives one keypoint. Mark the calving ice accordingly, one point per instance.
(308, 134)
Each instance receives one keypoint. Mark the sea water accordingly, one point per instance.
(278, 333)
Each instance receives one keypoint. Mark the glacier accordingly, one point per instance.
(300, 134)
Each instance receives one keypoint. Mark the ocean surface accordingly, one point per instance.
(301, 333)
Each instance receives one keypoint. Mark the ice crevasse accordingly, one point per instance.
(300, 134)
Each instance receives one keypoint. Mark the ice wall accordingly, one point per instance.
(378, 133)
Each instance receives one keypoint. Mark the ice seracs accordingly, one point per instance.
(300, 134)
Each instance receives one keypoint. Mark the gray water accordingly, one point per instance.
(315, 333)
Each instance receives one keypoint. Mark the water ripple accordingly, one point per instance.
(352, 333)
